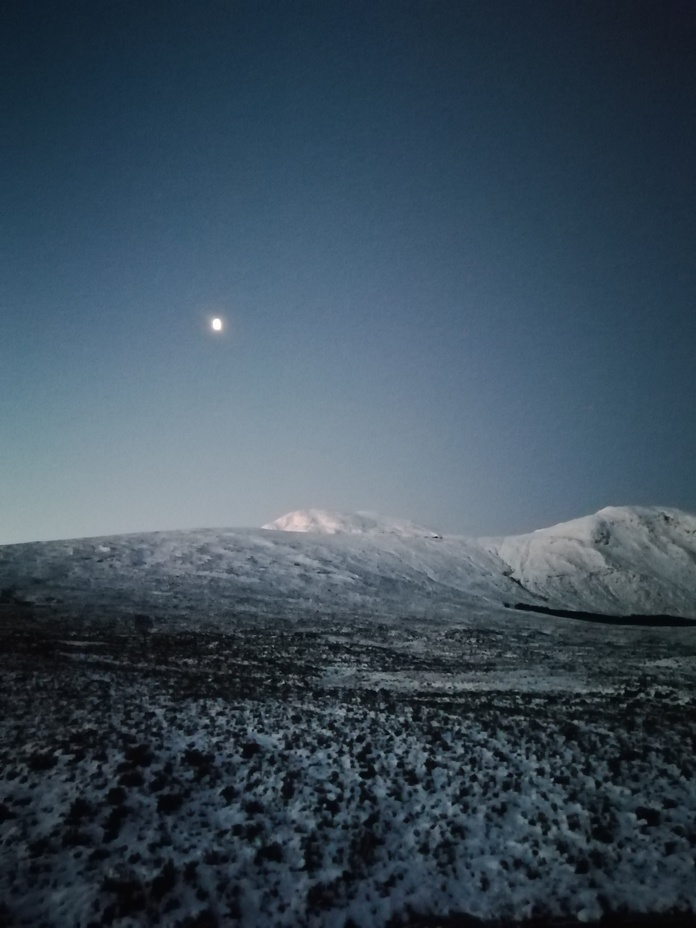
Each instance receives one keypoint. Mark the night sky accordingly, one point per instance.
(453, 245)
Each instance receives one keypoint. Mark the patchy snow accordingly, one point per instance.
(121, 803)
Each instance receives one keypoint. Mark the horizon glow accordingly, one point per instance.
(453, 243)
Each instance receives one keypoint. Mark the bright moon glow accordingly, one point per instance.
(217, 325)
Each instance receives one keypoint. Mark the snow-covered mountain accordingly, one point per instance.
(328, 522)
(216, 574)
(618, 561)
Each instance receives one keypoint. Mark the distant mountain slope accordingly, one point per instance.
(619, 560)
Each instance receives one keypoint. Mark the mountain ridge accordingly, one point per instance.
(621, 558)
(618, 561)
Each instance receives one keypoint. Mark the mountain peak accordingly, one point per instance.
(331, 522)
(620, 559)
(648, 520)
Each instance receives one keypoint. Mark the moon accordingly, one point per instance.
(216, 325)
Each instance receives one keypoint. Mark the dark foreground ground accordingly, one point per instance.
(345, 773)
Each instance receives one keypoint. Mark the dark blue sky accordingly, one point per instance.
(454, 245)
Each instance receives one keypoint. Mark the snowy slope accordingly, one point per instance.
(214, 574)
(619, 560)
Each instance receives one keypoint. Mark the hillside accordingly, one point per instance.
(618, 561)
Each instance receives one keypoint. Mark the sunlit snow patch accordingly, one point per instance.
(330, 522)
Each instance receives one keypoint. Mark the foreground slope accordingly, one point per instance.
(311, 810)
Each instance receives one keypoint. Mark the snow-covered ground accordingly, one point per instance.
(618, 561)
(337, 727)
(328, 522)
(621, 559)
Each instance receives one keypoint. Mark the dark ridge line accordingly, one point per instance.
(651, 621)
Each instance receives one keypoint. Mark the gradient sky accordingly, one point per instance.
(454, 244)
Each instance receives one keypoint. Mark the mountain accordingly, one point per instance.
(327, 522)
(618, 561)
(216, 574)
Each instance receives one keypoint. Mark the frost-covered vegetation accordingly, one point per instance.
(350, 774)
